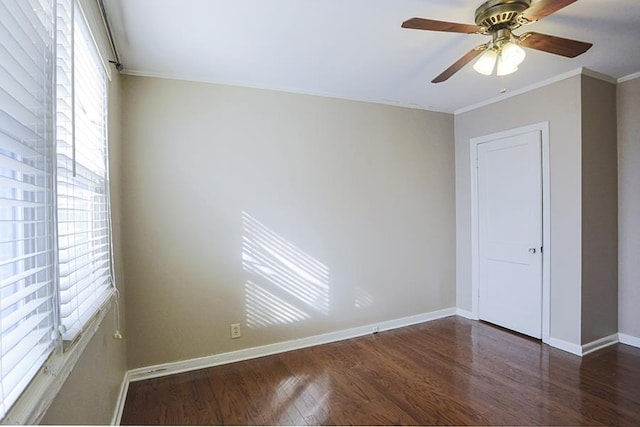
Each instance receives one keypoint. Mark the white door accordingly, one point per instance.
(510, 232)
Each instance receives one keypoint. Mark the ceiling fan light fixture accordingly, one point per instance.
(505, 67)
(486, 62)
(512, 53)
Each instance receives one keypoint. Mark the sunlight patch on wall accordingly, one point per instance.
(363, 298)
(284, 279)
(265, 309)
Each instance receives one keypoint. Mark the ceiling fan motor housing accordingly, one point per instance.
(497, 14)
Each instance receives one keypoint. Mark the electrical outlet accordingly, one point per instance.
(235, 330)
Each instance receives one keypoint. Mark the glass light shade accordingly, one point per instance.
(512, 54)
(486, 62)
(505, 67)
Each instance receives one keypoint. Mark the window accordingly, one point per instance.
(27, 280)
(55, 242)
(84, 241)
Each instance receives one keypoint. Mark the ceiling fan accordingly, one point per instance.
(498, 19)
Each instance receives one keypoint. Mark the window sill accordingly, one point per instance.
(43, 389)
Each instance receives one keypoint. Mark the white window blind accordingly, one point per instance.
(84, 248)
(27, 269)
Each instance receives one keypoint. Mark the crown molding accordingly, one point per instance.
(577, 72)
(517, 92)
(629, 77)
(596, 75)
(295, 91)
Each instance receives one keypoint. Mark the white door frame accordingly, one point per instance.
(543, 127)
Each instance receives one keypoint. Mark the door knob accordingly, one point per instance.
(532, 250)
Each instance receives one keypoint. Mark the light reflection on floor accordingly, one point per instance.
(291, 391)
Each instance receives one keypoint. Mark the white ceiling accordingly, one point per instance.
(356, 49)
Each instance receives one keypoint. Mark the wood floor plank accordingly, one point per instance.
(345, 373)
(449, 371)
(484, 373)
(433, 392)
(346, 394)
(275, 403)
(534, 395)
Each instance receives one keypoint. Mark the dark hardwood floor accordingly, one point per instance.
(449, 371)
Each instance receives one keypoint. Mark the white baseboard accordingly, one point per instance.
(599, 343)
(566, 346)
(122, 397)
(466, 314)
(583, 350)
(171, 368)
(629, 340)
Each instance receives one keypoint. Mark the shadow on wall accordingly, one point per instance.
(285, 285)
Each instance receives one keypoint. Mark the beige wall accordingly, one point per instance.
(599, 210)
(559, 104)
(349, 205)
(90, 393)
(629, 206)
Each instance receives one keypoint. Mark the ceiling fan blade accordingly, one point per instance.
(457, 66)
(553, 44)
(432, 25)
(542, 8)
